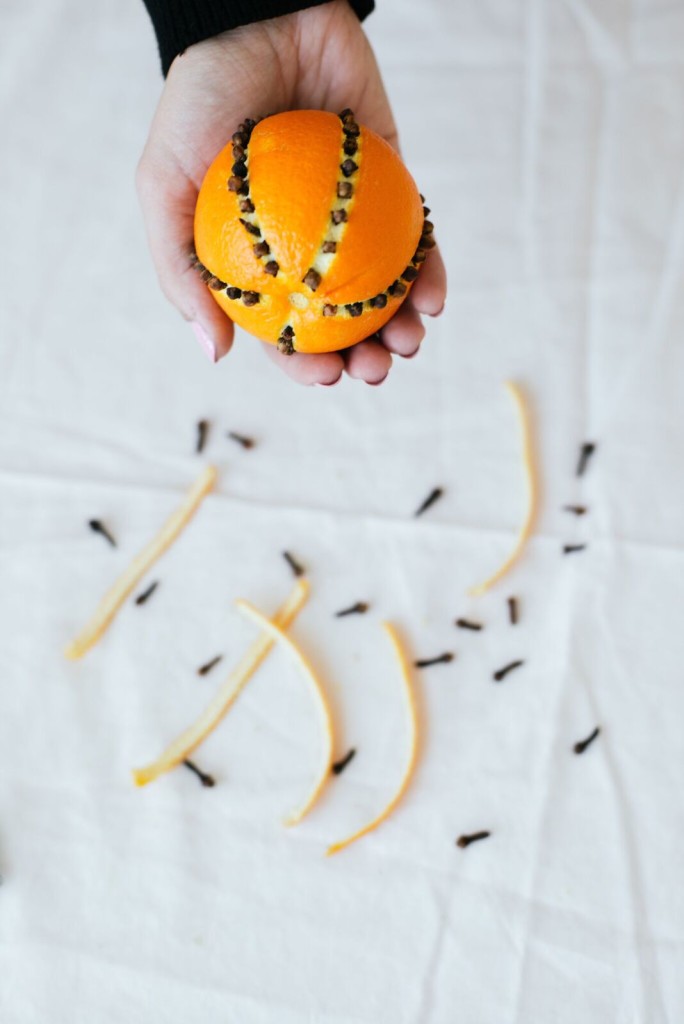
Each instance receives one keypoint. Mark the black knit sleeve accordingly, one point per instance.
(180, 23)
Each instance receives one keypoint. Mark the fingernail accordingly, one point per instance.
(376, 383)
(412, 355)
(205, 342)
(331, 384)
(439, 311)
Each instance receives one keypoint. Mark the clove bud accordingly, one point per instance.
(312, 279)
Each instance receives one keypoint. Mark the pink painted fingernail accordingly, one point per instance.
(205, 342)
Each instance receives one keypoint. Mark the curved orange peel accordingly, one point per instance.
(277, 634)
(413, 747)
(188, 741)
(131, 576)
(532, 492)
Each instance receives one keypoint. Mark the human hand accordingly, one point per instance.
(318, 58)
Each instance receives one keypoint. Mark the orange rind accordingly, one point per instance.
(309, 230)
(115, 597)
(532, 485)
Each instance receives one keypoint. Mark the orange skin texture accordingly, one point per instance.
(294, 167)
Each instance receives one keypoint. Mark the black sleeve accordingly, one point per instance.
(180, 23)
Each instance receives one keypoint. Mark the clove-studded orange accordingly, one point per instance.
(309, 230)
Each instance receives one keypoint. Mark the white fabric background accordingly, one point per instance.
(549, 140)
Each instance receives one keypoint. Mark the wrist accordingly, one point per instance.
(180, 24)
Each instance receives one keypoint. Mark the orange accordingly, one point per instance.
(309, 230)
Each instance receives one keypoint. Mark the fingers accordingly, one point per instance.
(368, 360)
(404, 332)
(429, 292)
(167, 198)
(325, 369)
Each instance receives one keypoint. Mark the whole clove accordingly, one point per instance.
(379, 301)
(202, 431)
(329, 247)
(513, 610)
(345, 190)
(297, 569)
(571, 549)
(208, 665)
(467, 624)
(147, 594)
(246, 442)
(252, 228)
(272, 268)
(503, 672)
(250, 298)
(348, 167)
(238, 185)
(312, 279)
(329, 310)
(234, 293)
(474, 837)
(586, 452)
(578, 510)
(355, 609)
(97, 526)
(441, 659)
(354, 308)
(206, 780)
(432, 497)
(338, 767)
(582, 745)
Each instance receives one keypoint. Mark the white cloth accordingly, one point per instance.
(549, 140)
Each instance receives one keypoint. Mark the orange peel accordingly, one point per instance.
(277, 634)
(141, 564)
(188, 741)
(412, 717)
(532, 484)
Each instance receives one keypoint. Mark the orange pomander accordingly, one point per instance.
(309, 230)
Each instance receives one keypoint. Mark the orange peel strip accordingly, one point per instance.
(532, 492)
(277, 634)
(129, 579)
(188, 741)
(410, 697)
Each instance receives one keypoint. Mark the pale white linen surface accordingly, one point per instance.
(549, 139)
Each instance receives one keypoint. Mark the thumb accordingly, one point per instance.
(167, 198)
